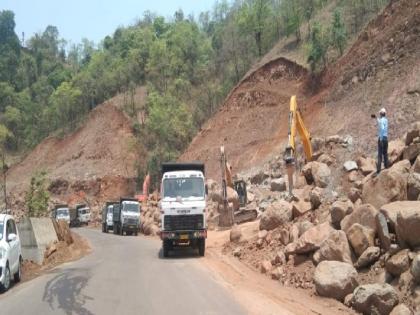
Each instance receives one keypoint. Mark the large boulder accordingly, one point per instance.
(413, 133)
(316, 197)
(232, 197)
(300, 207)
(408, 223)
(398, 263)
(383, 231)
(339, 210)
(415, 268)
(278, 184)
(366, 165)
(364, 215)
(411, 152)
(401, 309)
(416, 165)
(413, 186)
(350, 166)
(311, 240)
(318, 173)
(395, 150)
(235, 234)
(335, 279)
(374, 299)
(335, 247)
(389, 185)
(278, 213)
(360, 238)
(368, 257)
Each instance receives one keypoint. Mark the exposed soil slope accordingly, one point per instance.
(381, 69)
(251, 120)
(96, 160)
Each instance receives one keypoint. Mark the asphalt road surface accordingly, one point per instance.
(122, 275)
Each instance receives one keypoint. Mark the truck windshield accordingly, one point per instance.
(62, 211)
(110, 209)
(1, 230)
(131, 207)
(183, 187)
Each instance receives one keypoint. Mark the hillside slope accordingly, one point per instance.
(381, 69)
(250, 123)
(93, 163)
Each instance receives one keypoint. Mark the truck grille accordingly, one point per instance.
(131, 221)
(183, 222)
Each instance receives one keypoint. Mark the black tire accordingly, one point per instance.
(103, 228)
(202, 247)
(115, 229)
(121, 230)
(136, 233)
(6, 285)
(106, 228)
(166, 247)
(18, 275)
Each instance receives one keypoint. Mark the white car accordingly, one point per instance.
(10, 252)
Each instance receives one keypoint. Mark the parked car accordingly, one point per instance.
(10, 252)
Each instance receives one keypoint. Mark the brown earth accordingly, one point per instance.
(381, 69)
(64, 253)
(250, 122)
(94, 163)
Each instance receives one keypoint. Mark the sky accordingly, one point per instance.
(91, 19)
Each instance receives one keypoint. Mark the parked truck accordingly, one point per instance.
(61, 212)
(107, 216)
(183, 204)
(79, 215)
(126, 216)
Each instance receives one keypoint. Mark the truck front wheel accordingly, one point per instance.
(166, 246)
(201, 246)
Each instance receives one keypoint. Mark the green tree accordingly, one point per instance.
(37, 196)
(338, 32)
(253, 17)
(9, 47)
(318, 48)
(66, 101)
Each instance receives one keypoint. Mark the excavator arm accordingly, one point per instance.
(296, 125)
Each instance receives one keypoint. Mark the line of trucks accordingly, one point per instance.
(77, 216)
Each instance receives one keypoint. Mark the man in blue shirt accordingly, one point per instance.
(382, 139)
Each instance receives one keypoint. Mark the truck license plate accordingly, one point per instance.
(183, 237)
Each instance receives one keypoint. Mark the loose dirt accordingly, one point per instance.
(64, 253)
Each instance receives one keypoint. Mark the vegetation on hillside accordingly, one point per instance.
(188, 64)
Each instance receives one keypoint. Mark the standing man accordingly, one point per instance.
(382, 139)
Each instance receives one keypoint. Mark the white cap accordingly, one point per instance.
(383, 111)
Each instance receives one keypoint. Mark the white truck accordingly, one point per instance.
(126, 216)
(107, 216)
(62, 212)
(182, 205)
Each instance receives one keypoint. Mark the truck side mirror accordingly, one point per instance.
(206, 188)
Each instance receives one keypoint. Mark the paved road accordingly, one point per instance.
(123, 275)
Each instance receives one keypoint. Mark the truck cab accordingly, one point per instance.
(126, 216)
(182, 205)
(83, 214)
(62, 212)
(107, 216)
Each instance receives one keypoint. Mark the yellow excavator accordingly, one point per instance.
(230, 216)
(290, 156)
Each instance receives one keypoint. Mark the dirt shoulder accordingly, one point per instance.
(257, 293)
(63, 253)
